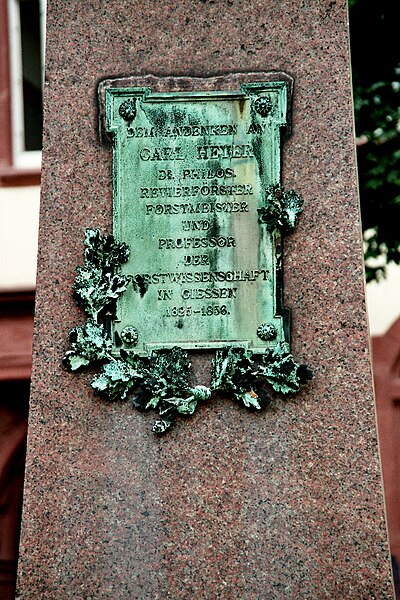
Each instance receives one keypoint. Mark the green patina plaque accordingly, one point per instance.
(195, 259)
(198, 200)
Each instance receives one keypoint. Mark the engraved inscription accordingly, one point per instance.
(199, 208)
(197, 190)
(185, 131)
(205, 242)
(190, 179)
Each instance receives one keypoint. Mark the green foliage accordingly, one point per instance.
(230, 365)
(95, 288)
(166, 383)
(200, 393)
(161, 381)
(376, 78)
(116, 380)
(89, 344)
(166, 386)
(236, 372)
(281, 209)
(377, 110)
(167, 373)
(103, 251)
(99, 282)
(282, 372)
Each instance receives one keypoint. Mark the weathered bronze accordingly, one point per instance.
(199, 213)
(198, 199)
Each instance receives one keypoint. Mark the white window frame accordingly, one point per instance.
(22, 159)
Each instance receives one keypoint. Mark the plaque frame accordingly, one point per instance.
(158, 377)
(133, 117)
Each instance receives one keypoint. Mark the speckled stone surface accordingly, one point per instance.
(230, 504)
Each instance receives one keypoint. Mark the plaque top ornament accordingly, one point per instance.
(195, 261)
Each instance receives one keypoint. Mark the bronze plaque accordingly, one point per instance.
(197, 198)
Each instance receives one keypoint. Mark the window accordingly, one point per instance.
(26, 26)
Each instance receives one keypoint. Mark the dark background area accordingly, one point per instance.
(375, 53)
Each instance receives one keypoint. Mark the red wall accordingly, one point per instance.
(16, 326)
(386, 361)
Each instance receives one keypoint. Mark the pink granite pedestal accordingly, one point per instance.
(230, 504)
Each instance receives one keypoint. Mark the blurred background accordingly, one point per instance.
(376, 93)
